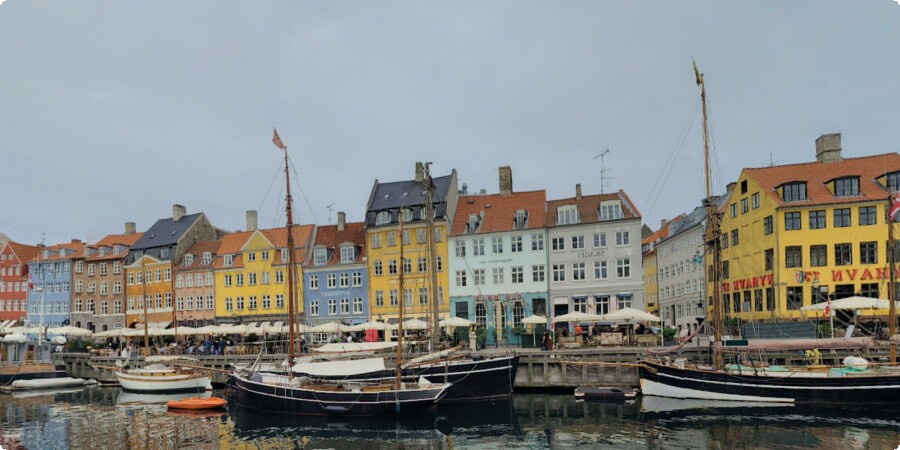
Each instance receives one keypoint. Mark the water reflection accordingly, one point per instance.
(106, 418)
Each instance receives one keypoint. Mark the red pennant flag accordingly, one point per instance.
(276, 139)
(894, 212)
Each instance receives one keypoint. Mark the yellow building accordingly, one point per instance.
(251, 274)
(151, 279)
(799, 234)
(651, 278)
(384, 240)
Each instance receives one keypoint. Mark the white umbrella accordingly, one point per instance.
(855, 302)
(535, 320)
(629, 315)
(577, 316)
(372, 325)
(412, 324)
(329, 327)
(456, 322)
(15, 338)
(69, 331)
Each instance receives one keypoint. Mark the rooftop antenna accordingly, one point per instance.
(330, 208)
(603, 169)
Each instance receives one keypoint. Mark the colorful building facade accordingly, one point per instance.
(14, 258)
(51, 274)
(195, 293)
(800, 234)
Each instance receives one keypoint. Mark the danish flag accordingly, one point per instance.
(894, 212)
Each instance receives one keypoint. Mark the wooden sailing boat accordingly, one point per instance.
(854, 382)
(299, 395)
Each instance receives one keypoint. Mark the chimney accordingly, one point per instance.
(251, 220)
(130, 228)
(420, 172)
(578, 191)
(828, 148)
(178, 211)
(505, 180)
(465, 189)
(662, 224)
(342, 219)
(76, 241)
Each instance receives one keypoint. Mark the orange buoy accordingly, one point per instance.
(195, 403)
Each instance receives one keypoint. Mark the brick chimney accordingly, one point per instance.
(506, 183)
(420, 172)
(662, 224)
(251, 220)
(178, 211)
(130, 228)
(578, 191)
(828, 148)
(342, 220)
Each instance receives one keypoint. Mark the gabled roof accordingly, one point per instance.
(329, 237)
(74, 249)
(301, 235)
(121, 239)
(165, 232)
(817, 174)
(125, 240)
(197, 250)
(25, 253)
(588, 207)
(661, 233)
(500, 211)
(390, 195)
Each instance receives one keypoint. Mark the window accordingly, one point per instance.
(577, 242)
(168, 274)
(229, 304)
(497, 245)
(320, 256)
(104, 269)
(264, 278)
(600, 270)
(578, 271)
(422, 265)
(391, 238)
(460, 248)
(537, 241)
(332, 306)
(348, 254)
(188, 283)
(754, 200)
(481, 314)
(520, 219)
(79, 284)
(284, 255)
(602, 304)
(392, 267)
(460, 278)
(90, 288)
(439, 264)
(623, 300)
(623, 268)
(767, 225)
(498, 275)
(379, 298)
(794, 297)
(228, 260)
(842, 217)
(792, 221)
(744, 206)
(252, 303)
(357, 279)
(733, 209)
(376, 268)
(868, 252)
(207, 258)
(867, 215)
(407, 265)
(79, 266)
(846, 187)
(357, 305)
(210, 302)
(599, 240)
(393, 297)
(557, 243)
(117, 307)
(313, 281)
(117, 287)
(478, 277)
(104, 288)
(537, 273)
(518, 274)
(478, 247)
(566, 215)
(376, 240)
(314, 308)
(818, 255)
(344, 280)
(331, 281)
(793, 256)
(251, 279)
(816, 219)
(279, 301)
(436, 233)
(266, 302)
(227, 280)
(345, 306)
(734, 237)
(420, 236)
(239, 279)
(579, 304)
(559, 272)
(610, 211)
(843, 255)
(518, 314)
(515, 244)
(792, 192)
(405, 236)
(279, 276)
(423, 296)
(622, 238)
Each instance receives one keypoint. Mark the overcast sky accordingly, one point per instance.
(112, 111)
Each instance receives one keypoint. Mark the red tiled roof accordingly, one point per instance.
(122, 239)
(500, 211)
(76, 248)
(301, 235)
(25, 253)
(198, 249)
(589, 207)
(817, 174)
(330, 237)
(662, 232)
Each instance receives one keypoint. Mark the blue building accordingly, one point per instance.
(51, 278)
(334, 278)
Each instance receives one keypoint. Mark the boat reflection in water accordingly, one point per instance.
(128, 398)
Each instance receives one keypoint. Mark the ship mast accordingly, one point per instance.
(712, 229)
(892, 285)
(429, 232)
(290, 262)
(402, 300)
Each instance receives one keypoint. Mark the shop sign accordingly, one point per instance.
(498, 297)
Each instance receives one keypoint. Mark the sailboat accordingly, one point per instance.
(301, 395)
(854, 382)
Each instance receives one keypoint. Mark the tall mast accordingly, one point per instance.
(144, 302)
(712, 229)
(429, 233)
(892, 285)
(402, 300)
(290, 257)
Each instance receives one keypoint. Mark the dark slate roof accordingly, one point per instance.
(165, 232)
(390, 195)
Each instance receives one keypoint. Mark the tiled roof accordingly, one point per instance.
(661, 233)
(233, 243)
(589, 207)
(331, 238)
(25, 253)
(74, 249)
(390, 195)
(122, 239)
(301, 235)
(125, 240)
(817, 174)
(500, 211)
(165, 232)
(197, 250)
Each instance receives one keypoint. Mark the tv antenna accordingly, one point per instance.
(329, 208)
(603, 169)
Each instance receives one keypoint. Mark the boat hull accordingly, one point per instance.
(666, 381)
(471, 379)
(297, 400)
(8, 374)
(171, 384)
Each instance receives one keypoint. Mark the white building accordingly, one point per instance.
(680, 259)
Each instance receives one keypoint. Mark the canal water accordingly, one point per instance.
(106, 418)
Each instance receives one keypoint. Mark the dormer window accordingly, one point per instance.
(348, 254)
(472, 223)
(793, 192)
(228, 260)
(46, 253)
(320, 256)
(611, 210)
(117, 249)
(407, 215)
(567, 215)
(521, 219)
(383, 217)
(284, 255)
(188, 260)
(846, 187)
(102, 251)
(207, 258)
(893, 181)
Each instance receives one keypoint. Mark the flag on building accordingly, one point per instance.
(827, 309)
(276, 139)
(30, 283)
(894, 212)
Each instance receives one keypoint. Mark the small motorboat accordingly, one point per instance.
(605, 393)
(196, 403)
